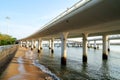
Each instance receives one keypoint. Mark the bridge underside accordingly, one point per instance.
(95, 18)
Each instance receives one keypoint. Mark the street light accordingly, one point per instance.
(7, 18)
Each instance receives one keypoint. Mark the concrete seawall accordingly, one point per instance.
(6, 56)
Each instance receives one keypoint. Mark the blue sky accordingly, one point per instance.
(27, 16)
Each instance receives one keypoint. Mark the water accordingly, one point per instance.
(95, 68)
(45, 70)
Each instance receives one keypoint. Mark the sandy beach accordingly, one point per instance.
(21, 68)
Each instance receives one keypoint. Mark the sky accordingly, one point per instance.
(21, 18)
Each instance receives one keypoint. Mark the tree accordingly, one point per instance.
(6, 39)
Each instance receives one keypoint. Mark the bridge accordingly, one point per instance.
(117, 37)
(86, 18)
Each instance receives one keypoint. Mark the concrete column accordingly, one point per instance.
(81, 44)
(108, 45)
(39, 45)
(32, 44)
(88, 45)
(94, 44)
(63, 47)
(85, 35)
(21, 44)
(97, 46)
(27, 44)
(52, 45)
(105, 47)
(49, 44)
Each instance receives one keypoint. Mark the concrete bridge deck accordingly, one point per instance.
(21, 68)
(84, 19)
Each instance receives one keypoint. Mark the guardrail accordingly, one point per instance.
(74, 7)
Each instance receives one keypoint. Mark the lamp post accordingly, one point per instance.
(7, 18)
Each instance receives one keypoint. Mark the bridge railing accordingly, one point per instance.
(74, 7)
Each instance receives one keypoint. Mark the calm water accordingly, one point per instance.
(95, 68)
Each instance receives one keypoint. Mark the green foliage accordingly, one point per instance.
(6, 39)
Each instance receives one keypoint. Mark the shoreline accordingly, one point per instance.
(22, 67)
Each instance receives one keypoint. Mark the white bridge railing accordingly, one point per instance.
(74, 7)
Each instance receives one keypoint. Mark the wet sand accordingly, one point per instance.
(22, 68)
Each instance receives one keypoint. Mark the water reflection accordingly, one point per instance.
(63, 67)
(51, 54)
(40, 54)
(95, 68)
(84, 67)
(105, 70)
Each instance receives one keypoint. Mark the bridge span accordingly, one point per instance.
(86, 18)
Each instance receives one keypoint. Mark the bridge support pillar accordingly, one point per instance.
(97, 46)
(39, 45)
(52, 45)
(21, 44)
(108, 45)
(32, 44)
(49, 44)
(105, 47)
(85, 47)
(94, 44)
(64, 47)
(27, 44)
(80, 44)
